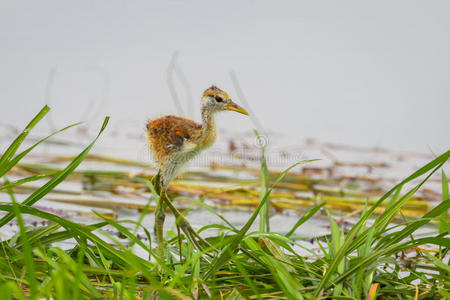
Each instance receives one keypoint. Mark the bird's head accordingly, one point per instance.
(215, 99)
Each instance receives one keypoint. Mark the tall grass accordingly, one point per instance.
(364, 262)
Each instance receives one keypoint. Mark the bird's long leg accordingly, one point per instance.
(159, 224)
(181, 221)
(180, 243)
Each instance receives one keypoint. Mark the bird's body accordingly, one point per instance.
(174, 141)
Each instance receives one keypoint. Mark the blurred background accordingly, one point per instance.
(362, 86)
(350, 72)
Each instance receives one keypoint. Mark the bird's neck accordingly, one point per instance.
(209, 132)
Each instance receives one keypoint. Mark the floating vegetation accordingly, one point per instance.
(298, 193)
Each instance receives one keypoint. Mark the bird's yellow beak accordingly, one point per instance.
(235, 107)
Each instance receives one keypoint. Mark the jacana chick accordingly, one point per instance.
(174, 141)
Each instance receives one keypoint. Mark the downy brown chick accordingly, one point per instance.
(174, 141)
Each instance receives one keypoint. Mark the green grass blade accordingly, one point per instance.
(28, 255)
(10, 290)
(438, 263)
(264, 222)
(78, 230)
(444, 293)
(391, 250)
(16, 159)
(408, 230)
(232, 246)
(51, 184)
(443, 221)
(350, 244)
(213, 211)
(9, 153)
(26, 180)
(125, 231)
(304, 218)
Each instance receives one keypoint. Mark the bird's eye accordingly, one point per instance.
(219, 99)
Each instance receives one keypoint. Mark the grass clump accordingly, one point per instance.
(374, 258)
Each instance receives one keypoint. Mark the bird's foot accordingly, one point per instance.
(197, 241)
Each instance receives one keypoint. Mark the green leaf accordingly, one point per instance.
(264, 221)
(26, 180)
(119, 257)
(305, 218)
(16, 159)
(443, 220)
(51, 184)
(232, 246)
(437, 262)
(9, 153)
(28, 255)
(351, 243)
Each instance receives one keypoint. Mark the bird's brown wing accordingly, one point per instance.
(168, 134)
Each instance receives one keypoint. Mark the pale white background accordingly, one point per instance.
(369, 73)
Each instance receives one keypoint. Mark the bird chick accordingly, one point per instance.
(174, 141)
